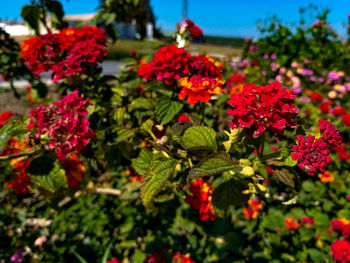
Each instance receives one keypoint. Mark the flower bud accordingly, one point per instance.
(248, 171)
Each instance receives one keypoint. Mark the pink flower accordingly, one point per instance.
(311, 154)
(64, 123)
(330, 133)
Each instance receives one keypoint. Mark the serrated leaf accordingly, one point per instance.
(142, 163)
(156, 177)
(227, 194)
(118, 115)
(215, 164)
(52, 180)
(199, 138)
(140, 103)
(166, 109)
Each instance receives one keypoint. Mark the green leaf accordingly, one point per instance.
(156, 177)
(56, 10)
(109, 18)
(142, 163)
(166, 109)
(199, 138)
(123, 134)
(227, 194)
(315, 255)
(289, 177)
(47, 173)
(140, 103)
(31, 15)
(5, 132)
(139, 256)
(290, 162)
(215, 164)
(80, 258)
(118, 115)
(107, 252)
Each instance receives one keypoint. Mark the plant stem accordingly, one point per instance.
(202, 105)
(261, 154)
(22, 154)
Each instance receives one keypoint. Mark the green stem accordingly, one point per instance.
(261, 154)
(22, 154)
(202, 105)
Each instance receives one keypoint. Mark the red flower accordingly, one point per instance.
(201, 199)
(340, 250)
(206, 67)
(198, 88)
(308, 220)
(330, 133)
(113, 260)
(316, 97)
(71, 52)
(145, 71)
(263, 107)
(41, 52)
(22, 180)
(65, 123)
(170, 63)
(6, 115)
(195, 32)
(155, 257)
(133, 53)
(291, 223)
(338, 111)
(346, 119)
(325, 107)
(312, 154)
(75, 170)
(179, 258)
(252, 211)
(339, 223)
(183, 118)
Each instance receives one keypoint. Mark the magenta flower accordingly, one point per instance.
(312, 154)
(64, 123)
(330, 133)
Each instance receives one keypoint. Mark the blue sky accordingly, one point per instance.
(219, 17)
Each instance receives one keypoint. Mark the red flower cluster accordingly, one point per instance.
(206, 66)
(6, 115)
(291, 223)
(263, 107)
(341, 225)
(65, 124)
(252, 211)
(22, 180)
(201, 199)
(312, 154)
(155, 257)
(68, 53)
(308, 221)
(340, 250)
(205, 81)
(330, 134)
(41, 52)
(198, 88)
(113, 260)
(75, 170)
(195, 31)
(179, 258)
(235, 84)
(169, 64)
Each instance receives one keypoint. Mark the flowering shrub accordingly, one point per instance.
(141, 175)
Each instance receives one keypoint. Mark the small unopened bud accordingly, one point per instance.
(248, 171)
